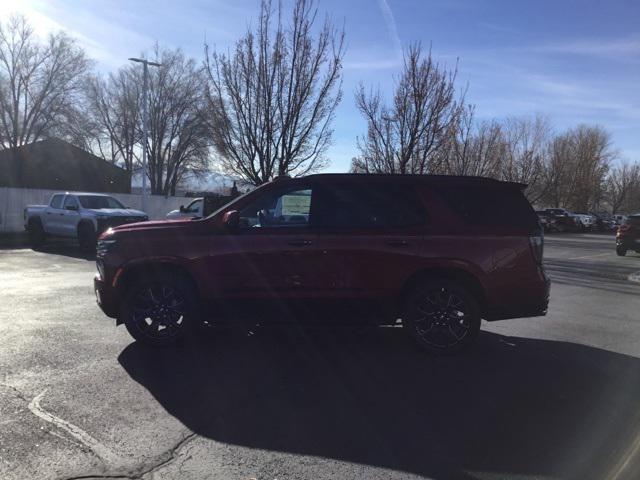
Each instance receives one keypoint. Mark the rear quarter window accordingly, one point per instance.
(363, 205)
(490, 206)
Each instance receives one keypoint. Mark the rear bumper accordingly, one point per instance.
(630, 243)
(537, 305)
(105, 297)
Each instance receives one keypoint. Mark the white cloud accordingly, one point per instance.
(380, 64)
(627, 47)
(392, 28)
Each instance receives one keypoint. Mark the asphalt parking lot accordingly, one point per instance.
(543, 398)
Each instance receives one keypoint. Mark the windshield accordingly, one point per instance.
(98, 202)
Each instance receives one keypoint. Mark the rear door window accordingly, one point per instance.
(377, 205)
(490, 206)
(70, 201)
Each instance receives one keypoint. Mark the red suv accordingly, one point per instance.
(440, 253)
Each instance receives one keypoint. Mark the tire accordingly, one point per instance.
(37, 236)
(621, 251)
(441, 316)
(87, 237)
(160, 311)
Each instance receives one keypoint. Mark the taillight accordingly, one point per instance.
(537, 246)
(623, 228)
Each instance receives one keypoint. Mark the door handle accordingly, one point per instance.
(299, 243)
(398, 243)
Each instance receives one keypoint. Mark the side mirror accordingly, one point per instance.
(181, 208)
(231, 219)
(71, 207)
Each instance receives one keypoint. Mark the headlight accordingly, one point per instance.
(105, 245)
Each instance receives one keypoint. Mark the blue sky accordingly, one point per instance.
(574, 61)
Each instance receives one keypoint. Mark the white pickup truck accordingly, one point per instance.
(200, 207)
(77, 215)
(195, 209)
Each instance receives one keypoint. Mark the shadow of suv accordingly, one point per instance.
(440, 253)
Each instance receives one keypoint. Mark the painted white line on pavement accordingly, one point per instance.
(80, 435)
(634, 277)
(590, 256)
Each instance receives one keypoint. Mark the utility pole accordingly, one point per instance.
(145, 119)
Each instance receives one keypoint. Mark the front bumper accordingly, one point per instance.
(105, 297)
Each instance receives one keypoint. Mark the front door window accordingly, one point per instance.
(290, 209)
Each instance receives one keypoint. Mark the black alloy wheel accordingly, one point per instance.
(442, 317)
(158, 312)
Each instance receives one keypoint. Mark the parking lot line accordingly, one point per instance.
(590, 256)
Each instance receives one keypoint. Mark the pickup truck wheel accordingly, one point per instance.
(87, 237)
(158, 311)
(441, 316)
(37, 236)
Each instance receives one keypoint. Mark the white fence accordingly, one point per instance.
(13, 201)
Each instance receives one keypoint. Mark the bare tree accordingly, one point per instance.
(408, 136)
(576, 169)
(273, 100)
(622, 182)
(592, 156)
(179, 137)
(40, 83)
(526, 148)
(474, 148)
(114, 106)
(558, 171)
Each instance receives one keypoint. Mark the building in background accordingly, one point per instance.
(54, 164)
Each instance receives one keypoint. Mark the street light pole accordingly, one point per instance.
(145, 119)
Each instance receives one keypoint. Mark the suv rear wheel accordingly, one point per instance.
(441, 316)
(159, 311)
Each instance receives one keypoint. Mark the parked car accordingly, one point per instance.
(200, 207)
(193, 210)
(628, 236)
(438, 252)
(564, 220)
(620, 219)
(547, 222)
(604, 222)
(587, 220)
(77, 215)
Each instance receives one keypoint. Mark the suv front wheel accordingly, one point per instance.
(158, 311)
(441, 316)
